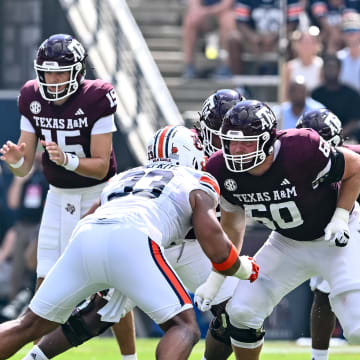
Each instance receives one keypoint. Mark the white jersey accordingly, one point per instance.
(155, 198)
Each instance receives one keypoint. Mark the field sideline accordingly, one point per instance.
(106, 349)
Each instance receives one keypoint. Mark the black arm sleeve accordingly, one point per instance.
(337, 168)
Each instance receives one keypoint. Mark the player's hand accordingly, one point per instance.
(205, 293)
(55, 153)
(11, 153)
(248, 270)
(337, 230)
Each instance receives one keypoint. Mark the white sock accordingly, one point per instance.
(129, 357)
(35, 354)
(319, 354)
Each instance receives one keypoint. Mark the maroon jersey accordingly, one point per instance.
(69, 125)
(288, 198)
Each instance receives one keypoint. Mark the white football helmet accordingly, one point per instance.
(178, 145)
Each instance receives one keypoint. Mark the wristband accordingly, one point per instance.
(245, 269)
(18, 164)
(72, 162)
(229, 262)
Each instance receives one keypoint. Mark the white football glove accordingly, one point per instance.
(206, 292)
(337, 230)
(248, 270)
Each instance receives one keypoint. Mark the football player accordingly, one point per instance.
(185, 255)
(121, 244)
(323, 320)
(290, 182)
(74, 120)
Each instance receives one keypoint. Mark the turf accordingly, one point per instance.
(106, 349)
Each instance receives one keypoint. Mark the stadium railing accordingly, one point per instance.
(120, 55)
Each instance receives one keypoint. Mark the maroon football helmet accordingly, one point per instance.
(326, 123)
(60, 53)
(248, 121)
(212, 113)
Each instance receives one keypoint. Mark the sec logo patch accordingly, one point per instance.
(35, 107)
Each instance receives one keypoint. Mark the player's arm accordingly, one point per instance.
(234, 224)
(21, 154)
(350, 183)
(98, 165)
(346, 168)
(218, 248)
(209, 233)
(212, 238)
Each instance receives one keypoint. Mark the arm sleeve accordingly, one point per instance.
(104, 125)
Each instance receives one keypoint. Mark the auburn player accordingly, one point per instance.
(323, 320)
(120, 246)
(74, 120)
(186, 256)
(290, 182)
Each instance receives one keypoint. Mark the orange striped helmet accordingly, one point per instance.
(178, 145)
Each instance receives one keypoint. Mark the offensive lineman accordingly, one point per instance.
(296, 193)
(74, 120)
(121, 246)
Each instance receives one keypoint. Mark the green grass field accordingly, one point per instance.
(106, 349)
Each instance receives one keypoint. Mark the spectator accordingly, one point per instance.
(27, 197)
(298, 103)
(350, 56)
(258, 28)
(339, 98)
(327, 15)
(7, 238)
(307, 64)
(198, 18)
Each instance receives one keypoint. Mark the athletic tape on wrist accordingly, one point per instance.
(245, 269)
(18, 164)
(72, 162)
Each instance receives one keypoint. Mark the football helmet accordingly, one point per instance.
(178, 145)
(60, 53)
(248, 121)
(212, 113)
(326, 123)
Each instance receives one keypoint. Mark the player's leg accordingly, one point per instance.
(51, 302)
(323, 322)
(156, 289)
(193, 267)
(217, 342)
(181, 332)
(83, 324)
(343, 274)
(346, 308)
(15, 334)
(124, 332)
(283, 268)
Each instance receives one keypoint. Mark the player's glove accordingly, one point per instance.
(248, 270)
(337, 230)
(206, 292)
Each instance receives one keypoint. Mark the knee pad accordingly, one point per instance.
(246, 338)
(84, 323)
(218, 326)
